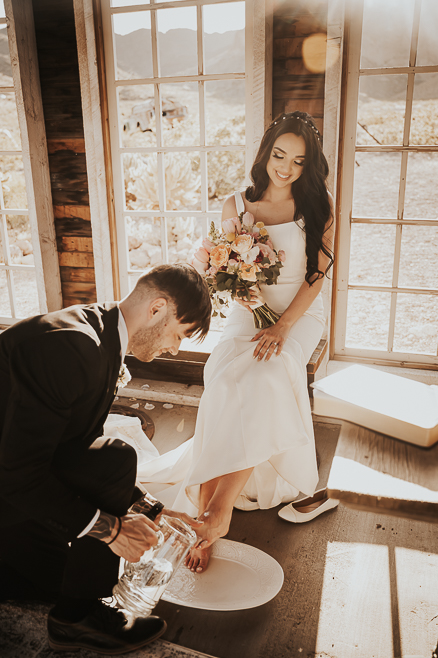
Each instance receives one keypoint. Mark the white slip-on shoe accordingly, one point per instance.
(292, 511)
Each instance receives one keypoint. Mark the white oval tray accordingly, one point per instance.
(238, 577)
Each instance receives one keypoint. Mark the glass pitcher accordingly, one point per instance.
(142, 583)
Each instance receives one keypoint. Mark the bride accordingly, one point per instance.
(253, 446)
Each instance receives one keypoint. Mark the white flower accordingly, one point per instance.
(250, 256)
(124, 376)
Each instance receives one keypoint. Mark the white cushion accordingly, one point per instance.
(385, 403)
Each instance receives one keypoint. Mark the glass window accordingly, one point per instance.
(372, 254)
(386, 33)
(368, 319)
(376, 184)
(421, 196)
(416, 327)
(381, 109)
(224, 37)
(133, 45)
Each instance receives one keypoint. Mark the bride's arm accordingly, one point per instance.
(271, 340)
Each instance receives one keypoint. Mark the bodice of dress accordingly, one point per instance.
(291, 238)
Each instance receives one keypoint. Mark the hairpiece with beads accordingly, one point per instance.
(298, 117)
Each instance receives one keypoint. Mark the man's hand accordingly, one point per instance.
(193, 523)
(137, 534)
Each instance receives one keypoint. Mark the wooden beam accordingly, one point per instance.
(25, 72)
(94, 150)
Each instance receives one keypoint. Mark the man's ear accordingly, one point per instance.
(158, 308)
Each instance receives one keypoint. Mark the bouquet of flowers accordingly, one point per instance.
(234, 263)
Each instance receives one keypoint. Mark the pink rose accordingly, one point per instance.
(268, 253)
(231, 225)
(233, 262)
(202, 255)
(281, 256)
(269, 243)
(199, 267)
(212, 271)
(248, 219)
(207, 244)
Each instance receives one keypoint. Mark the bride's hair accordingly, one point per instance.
(309, 191)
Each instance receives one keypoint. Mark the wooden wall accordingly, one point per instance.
(61, 96)
(294, 87)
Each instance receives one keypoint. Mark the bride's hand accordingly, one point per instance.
(255, 297)
(271, 341)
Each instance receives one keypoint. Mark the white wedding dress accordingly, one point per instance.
(252, 413)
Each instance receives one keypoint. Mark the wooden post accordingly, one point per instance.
(94, 148)
(25, 73)
(332, 116)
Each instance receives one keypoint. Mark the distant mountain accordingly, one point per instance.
(224, 53)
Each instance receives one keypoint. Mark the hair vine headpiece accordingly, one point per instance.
(294, 115)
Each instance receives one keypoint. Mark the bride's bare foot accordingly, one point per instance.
(198, 558)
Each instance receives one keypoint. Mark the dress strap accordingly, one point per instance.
(240, 206)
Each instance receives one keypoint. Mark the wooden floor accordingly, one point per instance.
(357, 585)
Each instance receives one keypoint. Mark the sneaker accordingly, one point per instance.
(104, 630)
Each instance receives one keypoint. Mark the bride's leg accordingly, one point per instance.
(217, 498)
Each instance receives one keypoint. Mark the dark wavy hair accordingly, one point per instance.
(309, 191)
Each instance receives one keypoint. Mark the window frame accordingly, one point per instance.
(353, 73)
(258, 51)
(26, 86)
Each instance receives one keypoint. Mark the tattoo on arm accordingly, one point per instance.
(105, 527)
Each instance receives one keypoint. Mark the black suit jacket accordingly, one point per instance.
(58, 375)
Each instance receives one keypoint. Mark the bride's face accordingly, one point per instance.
(285, 164)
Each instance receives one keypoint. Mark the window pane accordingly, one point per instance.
(424, 123)
(141, 181)
(178, 44)
(5, 306)
(20, 240)
(372, 254)
(183, 181)
(136, 108)
(225, 112)
(427, 52)
(184, 237)
(419, 257)
(386, 33)
(10, 139)
(144, 242)
(132, 45)
(381, 110)
(6, 70)
(224, 38)
(180, 108)
(226, 174)
(421, 199)
(2, 9)
(12, 181)
(376, 184)
(368, 319)
(416, 324)
(26, 293)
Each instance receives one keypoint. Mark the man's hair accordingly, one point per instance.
(185, 289)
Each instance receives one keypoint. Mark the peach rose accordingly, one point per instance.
(232, 225)
(207, 244)
(248, 272)
(242, 244)
(219, 255)
(248, 219)
(202, 255)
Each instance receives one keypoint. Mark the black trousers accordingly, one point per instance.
(105, 475)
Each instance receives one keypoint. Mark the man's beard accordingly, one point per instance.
(148, 341)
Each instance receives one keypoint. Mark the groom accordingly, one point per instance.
(63, 495)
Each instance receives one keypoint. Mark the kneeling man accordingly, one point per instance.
(63, 495)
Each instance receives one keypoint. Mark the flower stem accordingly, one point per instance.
(264, 316)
